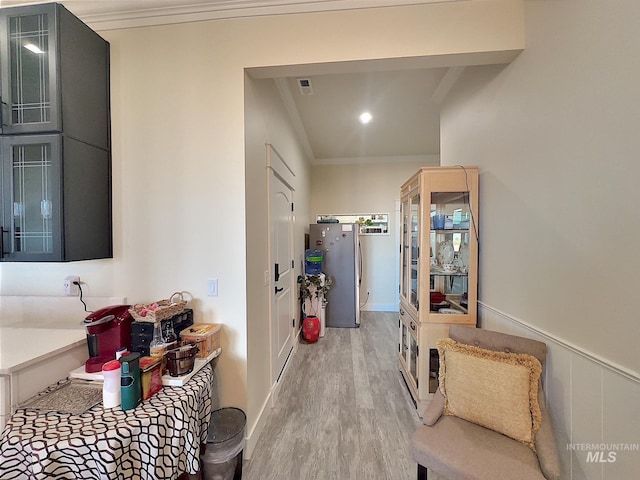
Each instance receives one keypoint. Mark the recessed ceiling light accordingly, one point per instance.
(365, 117)
(33, 48)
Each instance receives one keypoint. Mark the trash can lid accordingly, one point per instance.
(225, 424)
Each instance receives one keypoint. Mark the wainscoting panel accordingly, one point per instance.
(593, 405)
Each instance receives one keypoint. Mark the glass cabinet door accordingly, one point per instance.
(404, 344)
(415, 250)
(29, 101)
(413, 356)
(404, 253)
(31, 198)
(449, 241)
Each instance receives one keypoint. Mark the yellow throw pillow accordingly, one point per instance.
(496, 390)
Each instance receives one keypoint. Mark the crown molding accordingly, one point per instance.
(424, 160)
(116, 15)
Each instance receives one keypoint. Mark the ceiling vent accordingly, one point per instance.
(304, 84)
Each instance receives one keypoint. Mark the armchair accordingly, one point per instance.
(457, 449)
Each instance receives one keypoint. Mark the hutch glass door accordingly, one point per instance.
(449, 242)
(404, 266)
(415, 249)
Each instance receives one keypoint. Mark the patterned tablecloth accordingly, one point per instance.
(158, 440)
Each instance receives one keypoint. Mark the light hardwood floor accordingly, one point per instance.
(344, 412)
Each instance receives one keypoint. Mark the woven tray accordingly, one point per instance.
(160, 310)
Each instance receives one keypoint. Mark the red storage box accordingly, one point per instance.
(150, 376)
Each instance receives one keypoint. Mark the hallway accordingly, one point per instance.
(344, 412)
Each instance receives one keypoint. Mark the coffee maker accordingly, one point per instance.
(108, 329)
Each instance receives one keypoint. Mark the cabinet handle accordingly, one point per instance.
(277, 272)
(2, 232)
(401, 312)
(2, 104)
(279, 290)
(413, 326)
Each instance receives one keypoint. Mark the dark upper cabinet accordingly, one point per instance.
(55, 138)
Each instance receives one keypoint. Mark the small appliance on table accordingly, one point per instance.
(108, 329)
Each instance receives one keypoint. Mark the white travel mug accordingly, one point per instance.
(111, 385)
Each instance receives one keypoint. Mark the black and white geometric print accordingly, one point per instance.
(158, 440)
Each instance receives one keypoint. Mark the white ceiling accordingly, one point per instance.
(404, 102)
(406, 121)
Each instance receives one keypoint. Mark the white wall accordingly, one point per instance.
(179, 175)
(354, 189)
(555, 137)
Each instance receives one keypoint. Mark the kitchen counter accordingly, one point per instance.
(31, 358)
(23, 347)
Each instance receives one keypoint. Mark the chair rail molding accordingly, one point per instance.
(628, 373)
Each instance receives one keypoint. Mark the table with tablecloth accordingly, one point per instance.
(158, 440)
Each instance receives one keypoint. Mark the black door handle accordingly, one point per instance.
(277, 273)
(278, 290)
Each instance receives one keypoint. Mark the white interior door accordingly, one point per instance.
(282, 294)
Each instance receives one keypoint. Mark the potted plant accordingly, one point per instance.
(312, 288)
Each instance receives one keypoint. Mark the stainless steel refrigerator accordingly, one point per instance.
(342, 263)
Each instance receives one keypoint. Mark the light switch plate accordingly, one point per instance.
(212, 287)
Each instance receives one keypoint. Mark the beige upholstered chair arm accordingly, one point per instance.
(435, 409)
(546, 447)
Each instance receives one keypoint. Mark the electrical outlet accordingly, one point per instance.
(72, 286)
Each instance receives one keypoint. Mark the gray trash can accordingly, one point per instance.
(222, 459)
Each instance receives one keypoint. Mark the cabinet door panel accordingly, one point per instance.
(413, 353)
(404, 250)
(415, 251)
(31, 186)
(29, 81)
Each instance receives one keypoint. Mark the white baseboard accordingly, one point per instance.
(253, 433)
(379, 307)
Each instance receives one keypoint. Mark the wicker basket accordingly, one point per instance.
(160, 310)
